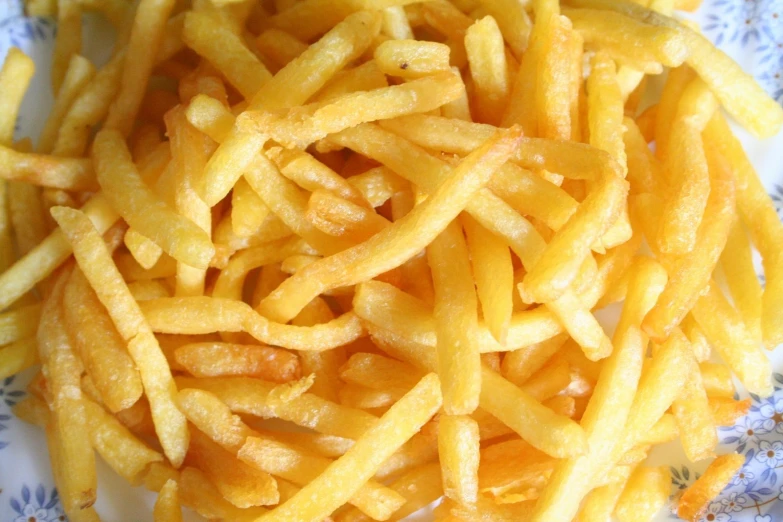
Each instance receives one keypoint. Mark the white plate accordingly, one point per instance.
(751, 31)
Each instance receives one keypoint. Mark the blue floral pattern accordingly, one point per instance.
(41, 507)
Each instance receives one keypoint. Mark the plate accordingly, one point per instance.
(750, 31)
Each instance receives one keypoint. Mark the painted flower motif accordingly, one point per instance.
(715, 513)
(8, 395)
(770, 453)
(747, 430)
(32, 514)
(38, 507)
(763, 518)
(772, 414)
(734, 502)
(743, 478)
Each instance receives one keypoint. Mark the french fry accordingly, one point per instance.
(146, 41)
(487, 61)
(690, 273)
(279, 46)
(68, 42)
(18, 356)
(314, 122)
(333, 419)
(100, 271)
(197, 492)
(717, 380)
(15, 76)
(314, 502)
(324, 365)
(718, 474)
(459, 365)
(239, 483)
(458, 447)
(123, 452)
(365, 77)
(443, 206)
(412, 59)
(73, 460)
(514, 23)
(211, 38)
(725, 412)
(47, 171)
(188, 157)
(493, 273)
(552, 97)
(395, 23)
(201, 315)
(737, 264)
(167, 508)
(745, 99)
(608, 409)
(726, 332)
(143, 210)
(224, 359)
(692, 412)
(79, 72)
(634, 40)
(99, 346)
(759, 215)
(338, 217)
(605, 111)
(143, 250)
(644, 495)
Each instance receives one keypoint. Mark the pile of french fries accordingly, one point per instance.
(387, 225)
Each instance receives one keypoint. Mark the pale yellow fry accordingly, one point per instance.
(18, 356)
(731, 339)
(248, 210)
(369, 258)
(345, 476)
(644, 495)
(395, 23)
(68, 41)
(142, 209)
(74, 458)
(458, 450)
(188, 157)
(494, 276)
(513, 20)
(42, 260)
(737, 91)
(27, 215)
(146, 41)
(210, 116)
(412, 58)
(279, 46)
(128, 456)
(201, 315)
(365, 77)
(487, 61)
(291, 86)
(48, 171)
(143, 250)
(690, 273)
(167, 508)
(736, 261)
(609, 407)
(459, 364)
(759, 215)
(693, 414)
(15, 76)
(99, 346)
(633, 39)
(19, 323)
(79, 73)
(211, 38)
(94, 260)
(89, 108)
(306, 74)
(605, 109)
(420, 95)
(552, 93)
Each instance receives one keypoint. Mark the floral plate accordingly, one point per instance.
(751, 31)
